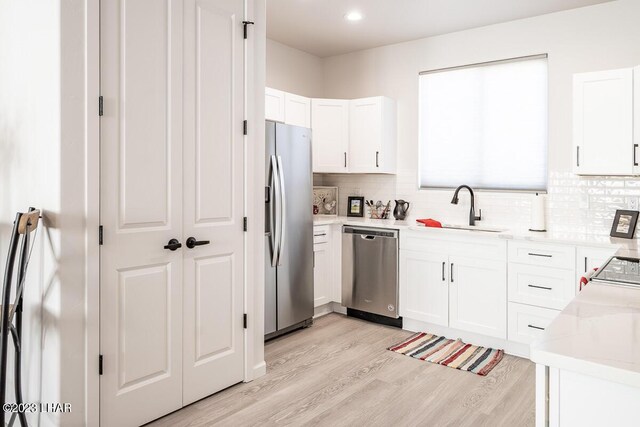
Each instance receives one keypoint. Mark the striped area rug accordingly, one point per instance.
(451, 353)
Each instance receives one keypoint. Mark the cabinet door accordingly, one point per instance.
(603, 123)
(588, 258)
(365, 141)
(274, 105)
(321, 274)
(478, 296)
(330, 133)
(424, 293)
(297, 110)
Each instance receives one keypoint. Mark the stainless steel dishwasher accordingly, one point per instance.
(370, 270)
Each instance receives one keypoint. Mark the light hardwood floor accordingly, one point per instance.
(339, 373)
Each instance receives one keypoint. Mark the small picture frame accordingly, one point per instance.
(355, 206)
(624, 224)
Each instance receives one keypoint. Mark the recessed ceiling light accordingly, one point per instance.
(353, 16)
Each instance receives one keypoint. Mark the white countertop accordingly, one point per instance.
(542, 237)
(597, 334)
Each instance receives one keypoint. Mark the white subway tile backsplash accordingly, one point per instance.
(574, 203)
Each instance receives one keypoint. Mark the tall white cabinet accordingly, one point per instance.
(603, 122)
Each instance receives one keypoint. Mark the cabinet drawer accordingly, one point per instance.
(526, 323)
(321, 233)
(541, 286)
(558, 256)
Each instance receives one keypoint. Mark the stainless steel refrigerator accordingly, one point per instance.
(288, 229)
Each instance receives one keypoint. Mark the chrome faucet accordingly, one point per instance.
(472, 213)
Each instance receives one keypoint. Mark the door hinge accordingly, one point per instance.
(245, 128)
(100, 364)
(245, 224)
(246, 23)
(244, 320)
(100, 106)
(100, 234)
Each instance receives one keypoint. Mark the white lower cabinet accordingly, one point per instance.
(327, 263)
(527, 322)
(424, 287)
(478, 296)
(321, 274)
(440, 287)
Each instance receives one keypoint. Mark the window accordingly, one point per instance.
(485, 125)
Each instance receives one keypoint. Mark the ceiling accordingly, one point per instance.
(319, 27)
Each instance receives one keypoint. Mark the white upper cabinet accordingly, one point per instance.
(297, 110)
(288, 108)
(603, 123)
(372, 135)
(330, 127)
(274, 101)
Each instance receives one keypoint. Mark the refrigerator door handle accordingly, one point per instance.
(283, 209)
(275, 212)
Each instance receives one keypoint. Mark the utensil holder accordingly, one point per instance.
(379, 213)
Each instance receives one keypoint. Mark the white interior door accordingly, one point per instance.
(213, 197)
(172, 168)
(141, 210)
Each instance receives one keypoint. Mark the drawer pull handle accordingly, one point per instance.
(536, 327)
(318, 235)
(540, 287)
(540, 255)
(443, 265)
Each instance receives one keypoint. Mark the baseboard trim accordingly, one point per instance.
(259, 370)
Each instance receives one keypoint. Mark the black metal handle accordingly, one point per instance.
(540, 255)
(345, 159)
(443, 264)
(585, 264)
(535, 327)
(635, 148)
(540, 287)
(192, 242)
(377, 156)
(173, 245)
(451, 272)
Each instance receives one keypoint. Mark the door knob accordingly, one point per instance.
(192, 242)
(173, 245)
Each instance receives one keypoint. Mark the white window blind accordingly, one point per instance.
(485, 126)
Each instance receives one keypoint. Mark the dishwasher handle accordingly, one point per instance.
(371, 233)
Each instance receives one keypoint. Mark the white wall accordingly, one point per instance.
(293, 70)
(29, 176)
(599, 37)
(42, 163)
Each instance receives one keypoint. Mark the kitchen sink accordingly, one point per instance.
(474, 228)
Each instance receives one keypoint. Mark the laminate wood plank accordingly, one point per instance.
(339, 372)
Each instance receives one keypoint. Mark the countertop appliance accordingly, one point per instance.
(619, 271)
(288, 229)
(370, 273)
